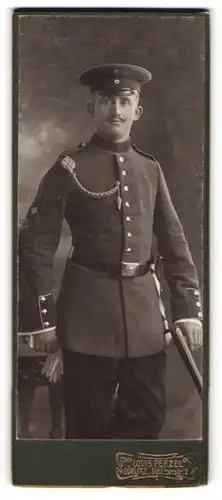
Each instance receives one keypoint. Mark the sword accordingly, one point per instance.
(176, 333)
(187, 357)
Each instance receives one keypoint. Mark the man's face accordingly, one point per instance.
(114, 114)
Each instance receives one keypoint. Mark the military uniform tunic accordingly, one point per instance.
(97, 313)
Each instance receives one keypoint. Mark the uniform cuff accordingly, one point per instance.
(46, 310)
(37, 313)
(188, 320)
(187, 305)
(36, 332)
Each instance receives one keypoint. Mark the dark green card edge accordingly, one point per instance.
(93, 462)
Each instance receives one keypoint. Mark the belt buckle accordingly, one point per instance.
(129, 268)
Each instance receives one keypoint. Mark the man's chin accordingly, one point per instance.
(115, 130)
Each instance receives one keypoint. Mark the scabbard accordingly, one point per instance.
(177, 335)
(187, 358)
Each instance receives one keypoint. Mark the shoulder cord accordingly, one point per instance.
(69, 164)
(93, 194)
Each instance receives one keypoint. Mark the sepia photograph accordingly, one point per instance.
(111, 154)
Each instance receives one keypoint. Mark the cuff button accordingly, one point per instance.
(46, 324)
(42, 298)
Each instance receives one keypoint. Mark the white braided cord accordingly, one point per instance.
(94, 194)
(69, 164)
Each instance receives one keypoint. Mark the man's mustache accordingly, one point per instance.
(117, 118)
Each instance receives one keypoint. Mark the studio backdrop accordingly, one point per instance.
(53, 50)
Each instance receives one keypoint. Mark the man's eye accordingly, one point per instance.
(124, 102)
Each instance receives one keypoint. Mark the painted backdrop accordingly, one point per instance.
(53, 51)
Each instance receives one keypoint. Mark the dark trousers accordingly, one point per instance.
(114, 398)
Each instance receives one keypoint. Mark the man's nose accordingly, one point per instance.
(115, 107)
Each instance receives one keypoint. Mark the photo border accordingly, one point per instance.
(67, 463)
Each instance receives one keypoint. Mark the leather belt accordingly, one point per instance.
(123, 270)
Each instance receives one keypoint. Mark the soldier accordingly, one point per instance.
(107, 319)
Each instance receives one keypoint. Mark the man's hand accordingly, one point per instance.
(46, 341)
(193, 333)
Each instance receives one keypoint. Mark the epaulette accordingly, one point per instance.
(78, 148)
(144, 153)
(66, 158)
(67, 153)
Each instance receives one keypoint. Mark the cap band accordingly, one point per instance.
(114, 77)
(115, 84)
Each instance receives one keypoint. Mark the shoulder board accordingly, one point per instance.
(66, 158)
(69, 152)
(144, 153)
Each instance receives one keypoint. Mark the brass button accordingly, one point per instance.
(129, 234)
(126, 188)
(116, 81)
(198, 304)
(46, 324)
(128, 218)
(127, 204)
(121, 159)
(199, 315)
(196, 292)
(44, 311)
(128, 249)
(124, 172)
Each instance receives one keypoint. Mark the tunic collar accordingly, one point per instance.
(108, 145)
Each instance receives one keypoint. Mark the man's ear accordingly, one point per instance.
(138, 113)
(90, 107)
